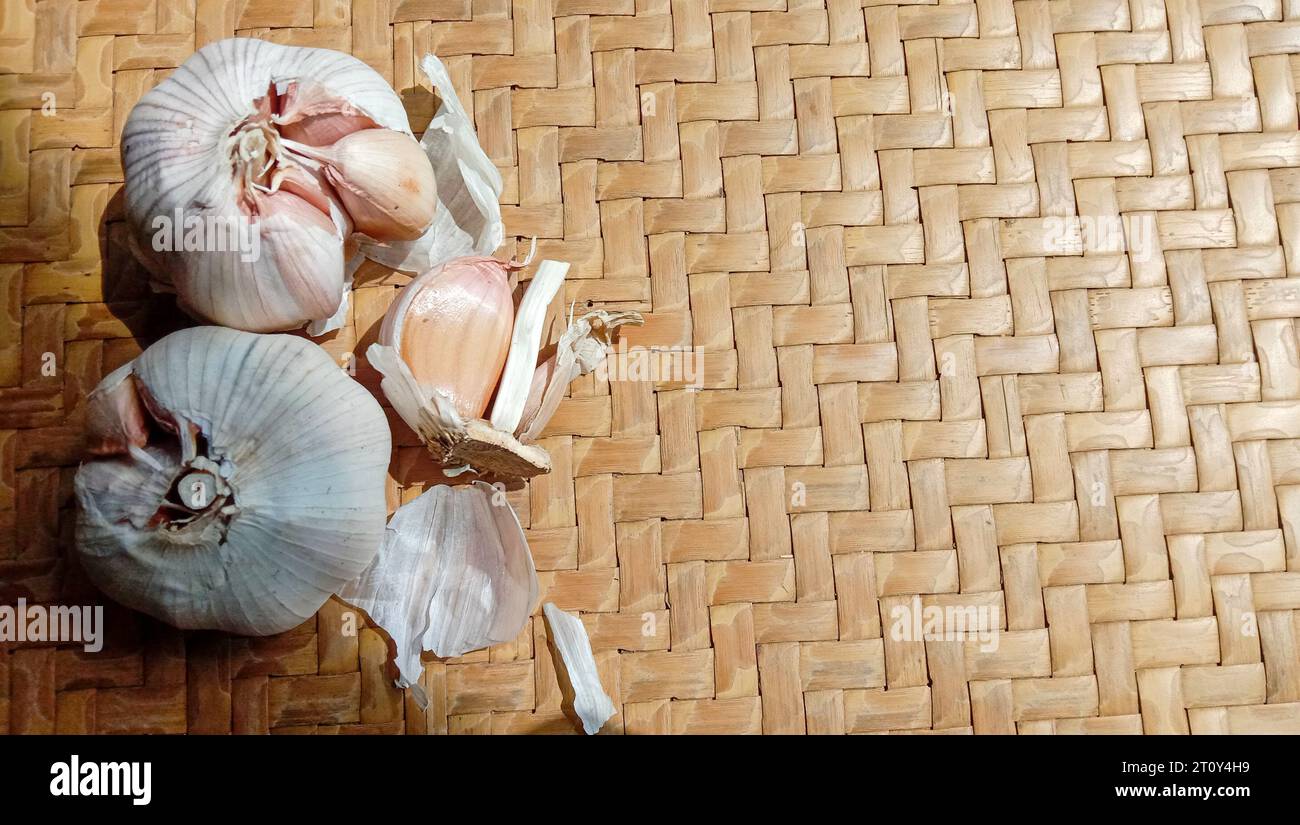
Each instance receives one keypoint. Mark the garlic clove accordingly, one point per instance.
(383, 179)
(303, 244)
(452, 326)
(467, 220)
(576, 669)
(454, 575)
(260, 493)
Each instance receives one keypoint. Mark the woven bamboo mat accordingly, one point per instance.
(997, 321)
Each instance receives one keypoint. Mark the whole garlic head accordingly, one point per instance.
(233, 191)
(235, 481)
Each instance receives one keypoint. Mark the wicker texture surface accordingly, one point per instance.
(997, 314)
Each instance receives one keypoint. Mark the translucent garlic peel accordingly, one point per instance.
(526, 340)
(454, 575)
(582, 347)
(178, 147)
(296, 454)
(579, 677)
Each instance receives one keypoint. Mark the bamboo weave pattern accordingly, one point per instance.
(996, 303)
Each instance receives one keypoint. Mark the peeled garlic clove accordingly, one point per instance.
(259, 493)
(576, 668)
(385, 182)
(452, 327)
(454, 575)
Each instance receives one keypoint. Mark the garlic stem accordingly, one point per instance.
(316, 153)
(197, 490)
(525, 343)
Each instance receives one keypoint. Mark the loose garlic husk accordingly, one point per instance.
(454, 575)
(227, 152)
(584, 344)
(239, 481)
(575, 667)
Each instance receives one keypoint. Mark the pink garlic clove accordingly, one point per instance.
(385, 182)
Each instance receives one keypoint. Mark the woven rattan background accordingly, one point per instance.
(927, 383)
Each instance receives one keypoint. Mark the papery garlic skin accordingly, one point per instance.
(191, 144)
(297, 453)
(582, 347)
(516, 377)
(454, 575)
(576, 669)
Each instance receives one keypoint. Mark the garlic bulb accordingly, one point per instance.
(454, 575)
(238, 481)
(250, 167)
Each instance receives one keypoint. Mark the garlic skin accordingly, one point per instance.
(516, 378)
(454, 575)
(259, 492)
(576, 669)
(582, 347)
(452, 326)
(115, 416)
